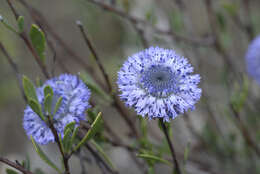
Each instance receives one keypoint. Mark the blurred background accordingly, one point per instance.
(222, 134)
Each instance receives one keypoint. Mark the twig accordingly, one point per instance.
(248, 26)
(135, 20)
(15, 165)
(175, 161)
(217, 43)
(24, 37)
(15, 69)
(39, 19)
(108, 82)
(99, 158)
(241, 126)
(65, 157)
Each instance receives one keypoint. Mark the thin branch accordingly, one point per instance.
(177, 169)
(24, 37)
(65, 157)
(248, 26)
(99, 158)
(15, 69)
(135, 20)
(40, 19)
(242, 127)
(108, 82)
(217, 43)
(15, 165)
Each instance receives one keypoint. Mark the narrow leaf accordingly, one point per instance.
(91, 132)
(10, 171)
(154, 158)
(36, 107)
(38, 41)
(48, 90)
(44, 157)
(20, 22)
(48, 104)
(57, 106)
(29, 89)
(102, 152)
(66, 140)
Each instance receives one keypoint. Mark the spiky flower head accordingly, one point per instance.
(75, 101)
(158, 83)
(253, 59)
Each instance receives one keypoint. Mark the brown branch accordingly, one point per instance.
(135, 20)
(24, 37)
(15, 69)
(214, 27)
(15, 165)
(242, 127)
(176, 165)
(65, 157)
(108, 82)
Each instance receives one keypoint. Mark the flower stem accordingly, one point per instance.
(175, 162)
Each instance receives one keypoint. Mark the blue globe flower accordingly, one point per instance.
(158, 83)
(253, 59)
(75, 96)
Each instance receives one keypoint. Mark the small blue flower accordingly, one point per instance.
(158, 83)
(253, 59)
(75, 101)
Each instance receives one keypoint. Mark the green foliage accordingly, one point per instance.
(231, 8)
(38, 40)
(20, 22)
(95, 126)
(57, 106)
(36, 107)
(94, 87)
(102, 152)
(26, 163)
(176, 20)
(70, 133)
(154, 158)
(240, 95)
(38, 171)
(10, 171)
(29, 89)
(44, 157)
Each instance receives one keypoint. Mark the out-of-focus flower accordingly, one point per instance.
(158, 83)
(253, 59)
(75, 101)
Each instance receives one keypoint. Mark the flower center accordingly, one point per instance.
(159, 80)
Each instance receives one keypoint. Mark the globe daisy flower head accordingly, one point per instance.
(75, 101)
(158, 83)
(253, 59)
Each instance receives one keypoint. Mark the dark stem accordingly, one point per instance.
(242, 127)
(65, 157)
(15, 165)
(175, 162)
(24, 37)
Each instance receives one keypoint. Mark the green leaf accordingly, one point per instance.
(26, 163)
(66, 140)
(48, 104)
(73, 137)
(20, 22)
(44, 157)
(7, 25)
(48, 90)
(231, 8)
(36, 107)
(102, 152)
(57, 106)
(186, 153)
(91, 132)
(94, 87)
(68, 131)
(10, 171)
(154, 158)
(38, 41)
(29, 89)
